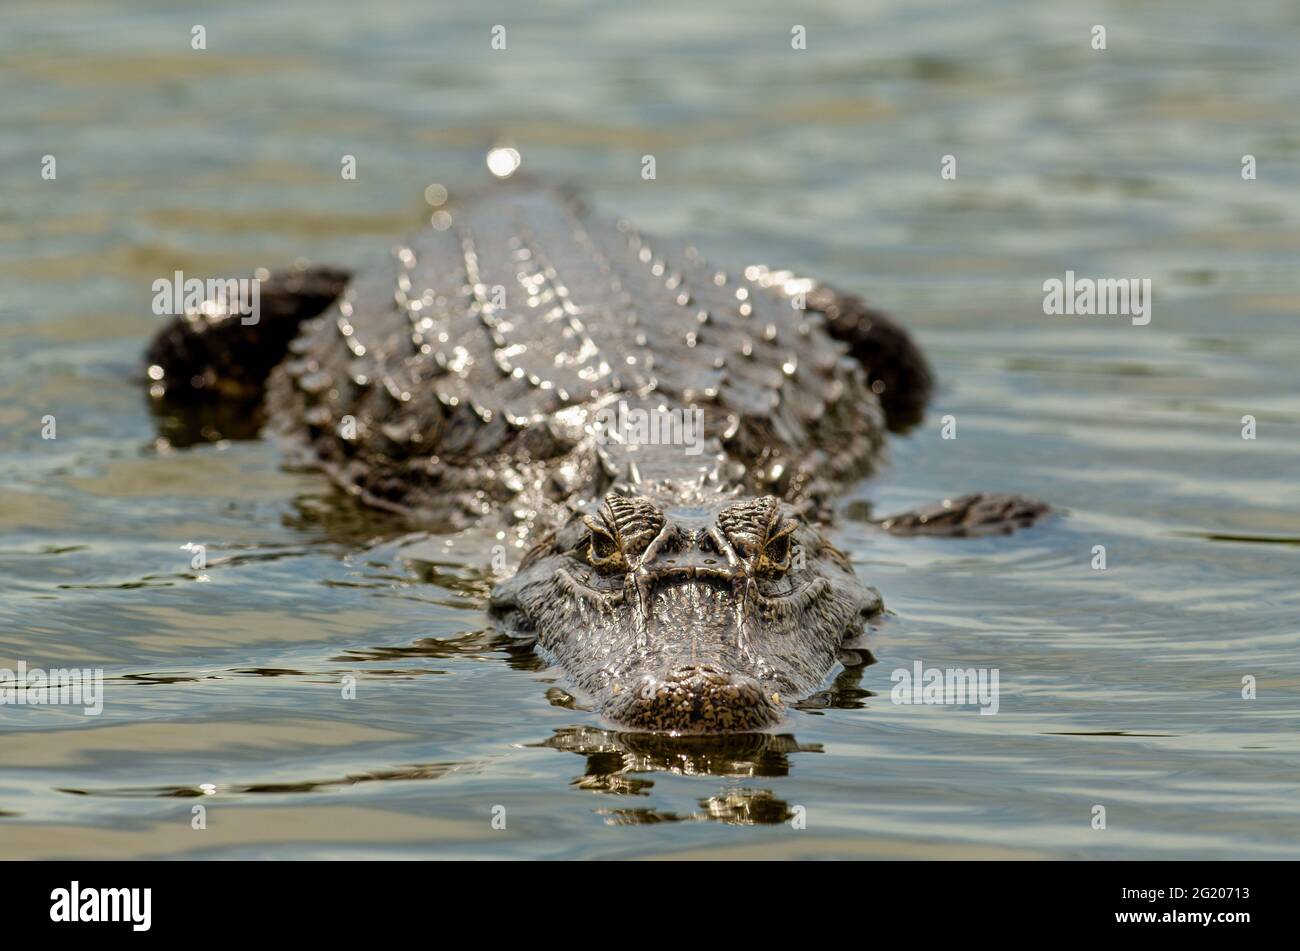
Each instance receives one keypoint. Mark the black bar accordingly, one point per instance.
(333, 899)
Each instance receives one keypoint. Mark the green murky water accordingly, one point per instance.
(1120, 688)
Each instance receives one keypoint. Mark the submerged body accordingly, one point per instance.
(665, 435)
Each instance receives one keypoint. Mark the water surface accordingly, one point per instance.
(1120, 688)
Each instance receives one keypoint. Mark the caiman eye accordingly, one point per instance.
(778, 548)
(603, 550)
(759, 535)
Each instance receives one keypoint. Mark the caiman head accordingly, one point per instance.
(700, 618)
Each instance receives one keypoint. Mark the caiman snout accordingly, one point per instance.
(696, 698)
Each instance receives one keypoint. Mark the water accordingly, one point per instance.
(1120, 688)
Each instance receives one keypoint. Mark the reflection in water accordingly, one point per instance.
(741, 807)
(844, 692)
(519, 655)
(747, 807)
(612, 755)
(617, 760)
(410, 772)
(329, 515)
(185, 426)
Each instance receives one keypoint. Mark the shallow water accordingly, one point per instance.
(1120, 688)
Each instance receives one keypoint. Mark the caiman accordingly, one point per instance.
(511, 363)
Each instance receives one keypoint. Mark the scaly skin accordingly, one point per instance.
(686, 585)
